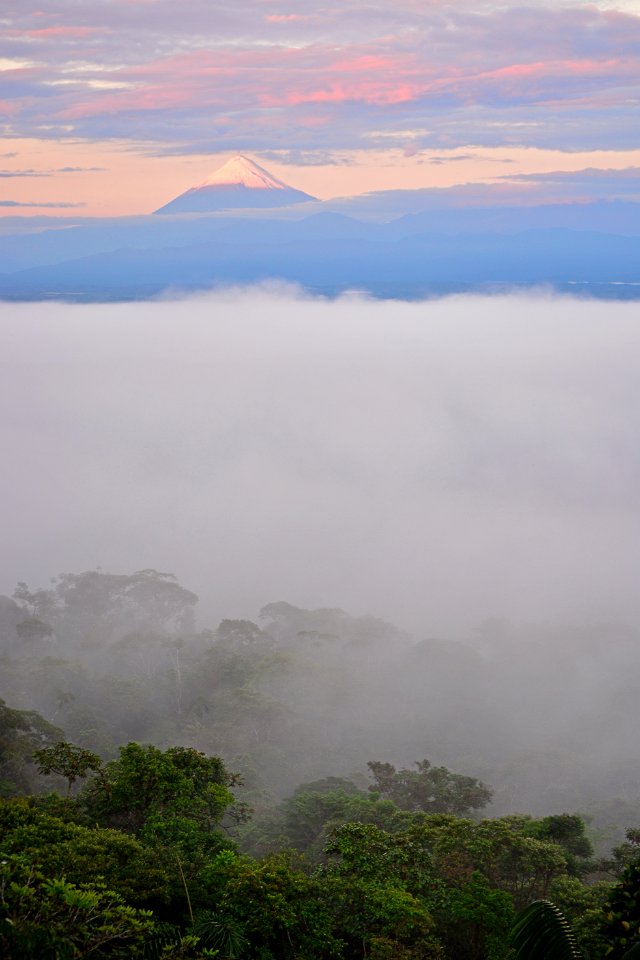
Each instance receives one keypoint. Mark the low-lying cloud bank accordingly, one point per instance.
(433, 463)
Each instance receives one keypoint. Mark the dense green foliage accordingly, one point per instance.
(622, 926)
(138, 861)
(134, 838)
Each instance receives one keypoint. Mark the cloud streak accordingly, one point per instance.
(30, 172)
(589, 184)
(60, 204)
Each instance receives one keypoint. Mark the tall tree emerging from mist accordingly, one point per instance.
(431, 789)
(68, 761)
(97, 606)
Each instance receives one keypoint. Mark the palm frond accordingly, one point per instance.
(542, 932)
(166, 936)
(222, 933)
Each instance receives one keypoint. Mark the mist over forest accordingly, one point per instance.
(319, 628)
(436, 464)
(412, 530)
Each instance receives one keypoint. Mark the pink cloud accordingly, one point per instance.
(283, 17)
(9, 108)
(367, 63)
(145, 98)
(366, 92)
(281, 76)
(548, 82)
(72, 33)
(554, 68)
(206, 63)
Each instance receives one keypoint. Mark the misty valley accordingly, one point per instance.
(344, 661)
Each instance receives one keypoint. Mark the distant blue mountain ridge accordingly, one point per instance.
(591, 248)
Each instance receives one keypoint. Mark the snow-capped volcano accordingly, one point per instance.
(239, 183)
(241, 171)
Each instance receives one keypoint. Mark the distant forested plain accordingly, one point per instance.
(306, 783)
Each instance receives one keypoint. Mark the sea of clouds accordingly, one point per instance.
(433, 463)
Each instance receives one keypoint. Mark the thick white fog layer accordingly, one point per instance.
(432, 463)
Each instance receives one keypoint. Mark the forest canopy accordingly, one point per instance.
(305, 784)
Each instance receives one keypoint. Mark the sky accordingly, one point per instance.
(433, 463)
(115, 107)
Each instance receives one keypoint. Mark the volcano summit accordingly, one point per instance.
(240, 183)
